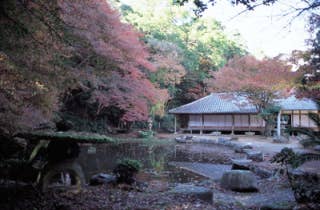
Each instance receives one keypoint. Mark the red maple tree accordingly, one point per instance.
(260, 80)
(52, 48)
(122, 81)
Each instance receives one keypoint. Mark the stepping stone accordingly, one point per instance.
(243, 148)
(239, 180)
(202, 193)
(255, 155)
(226, 141)
(241, 164)
(262, 172)
(102, 178)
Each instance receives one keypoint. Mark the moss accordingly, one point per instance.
(80, 137)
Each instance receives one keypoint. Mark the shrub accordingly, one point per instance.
(287, 156)
(145, 134)
(136, 165)
(126, 169)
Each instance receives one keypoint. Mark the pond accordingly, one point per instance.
(156, 159)
(167, 166)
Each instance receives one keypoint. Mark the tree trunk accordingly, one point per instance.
(268, 128)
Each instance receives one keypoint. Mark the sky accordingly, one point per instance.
(265, 30)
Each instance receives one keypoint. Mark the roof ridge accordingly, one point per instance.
(196, 101)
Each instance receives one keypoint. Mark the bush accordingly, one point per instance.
(136, 165)
(126, 169)
(287, 156)
(145, 134)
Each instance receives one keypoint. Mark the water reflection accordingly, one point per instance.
(155, 158)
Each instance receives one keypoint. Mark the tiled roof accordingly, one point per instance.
(293, 103)
(217, 103)
(234, 103)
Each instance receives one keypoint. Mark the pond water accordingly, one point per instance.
(166, 165)
(154, 157)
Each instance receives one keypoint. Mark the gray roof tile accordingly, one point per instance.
(235, 103)
(293, 103)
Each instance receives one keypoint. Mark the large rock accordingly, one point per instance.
(99, 179)
(242, 148)
(255, 155)
(305, 182)
(262, 172)
(241, 164)
(184, 139)
(226, 141)
(239, 180)
(196, 191)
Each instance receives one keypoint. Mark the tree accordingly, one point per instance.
(261, 81)
(119, 60)
(201, 6)
(310, 82)
(201, 44)
(54, 50)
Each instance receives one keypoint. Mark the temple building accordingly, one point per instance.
(231, 112)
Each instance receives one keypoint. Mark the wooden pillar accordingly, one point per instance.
(232, 129)
(279, 124)
(175, 124)
(292, 124)
(202, 125)
(299, 118)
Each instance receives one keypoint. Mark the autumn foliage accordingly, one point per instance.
(261, 80)
(50, 50)
(121, 82)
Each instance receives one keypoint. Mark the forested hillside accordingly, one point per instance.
(76, 64)
(201, 43)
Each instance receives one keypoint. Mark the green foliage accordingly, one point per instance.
(81, 123)
(201, 44)
(145, 134)
(287, 156)
(167, 122)
(135, 165)
(270, 112)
